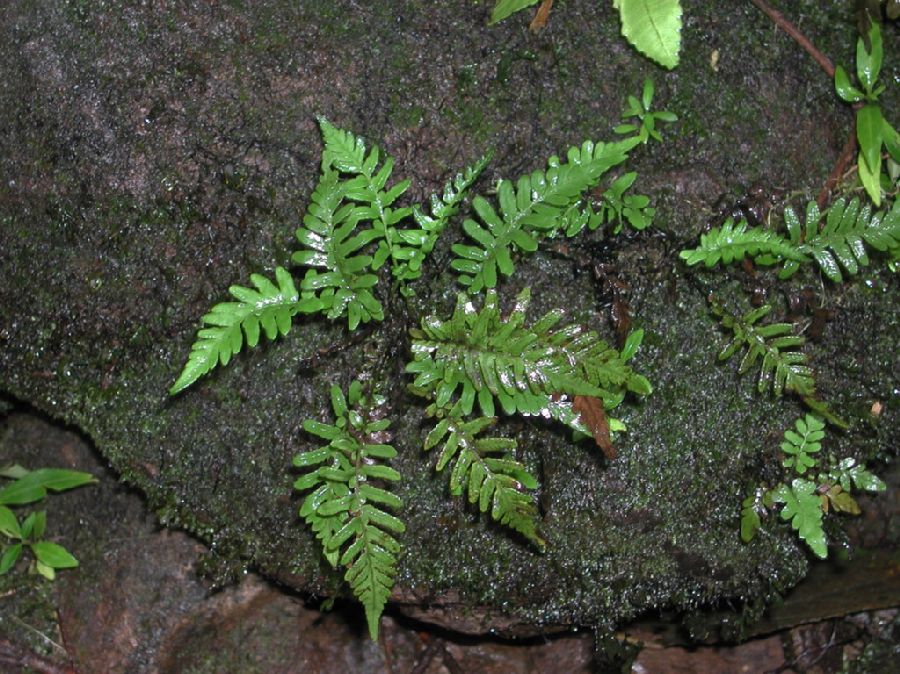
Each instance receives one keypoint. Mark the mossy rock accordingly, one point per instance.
(154, 158)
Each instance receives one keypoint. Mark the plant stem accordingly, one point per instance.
(789, 28)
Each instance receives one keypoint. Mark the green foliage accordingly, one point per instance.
(873, 131)
(782, 368)
(32, 487)
(352, 232)
(653, 27)
(803, 507)
(800, 444)
(536, 206)
(270, 307)
(839, 243)
(504, 8)
(532, 370)
(526, 369)
(486, 470)
(347, 505)
(420, 242)
(804, 501)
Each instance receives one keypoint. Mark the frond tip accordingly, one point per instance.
(269, 308)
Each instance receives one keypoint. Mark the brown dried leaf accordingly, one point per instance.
(590, 411)
(541, 16)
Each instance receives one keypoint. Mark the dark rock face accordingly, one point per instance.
(152, 156)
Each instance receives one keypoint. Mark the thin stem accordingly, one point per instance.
(789, 28)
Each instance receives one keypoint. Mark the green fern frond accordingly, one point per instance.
(803, 507)
(347, 153)
(733, 242)
(493, 482)
(269, 308)
(416, 244)
(800, 444)
(487, 357)
(538, 205)
(347, 508)
(781, 367)
(332, 242)
(840, 243)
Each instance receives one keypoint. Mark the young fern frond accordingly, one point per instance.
(800, 444)
(348, 506)
(487, 357)
(269, 307)
(840, 243)
(484, 468)
(782, 368)
(416, 244)
(803, 507)
(538, 205)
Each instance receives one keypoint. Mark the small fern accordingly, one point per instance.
(840, 243)
(535, 207)
(800, 444)
(781, 367)
(270, 307)
(346, 508)
(804, 501)
(491, 481)
(487, 357)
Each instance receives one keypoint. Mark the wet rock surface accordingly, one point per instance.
(151, 158)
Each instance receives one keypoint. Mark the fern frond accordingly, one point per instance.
(268, 308)
(771, 346)
(484, 356)
(347, 508)
(416, 244)
(840, 243)
(332, 243)
(347, 153)
(537, 205)
(734, 241)
(493, 482)
(803, 507)
(799, 444)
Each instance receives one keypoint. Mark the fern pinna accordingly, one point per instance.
(838, 243)
(538, 370)
(347, 505)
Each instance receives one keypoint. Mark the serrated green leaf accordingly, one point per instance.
(653, 27)
(53, 555)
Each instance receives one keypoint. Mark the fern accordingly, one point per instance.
(486, 357)
(536, 206)
(800, 444)
(782, 368)
(803, 507)
(420, 242)
(491, 481)
(346, 508)
(270, 307)
(840, 243)
(347, 153)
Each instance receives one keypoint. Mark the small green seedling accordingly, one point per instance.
(31, 487)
